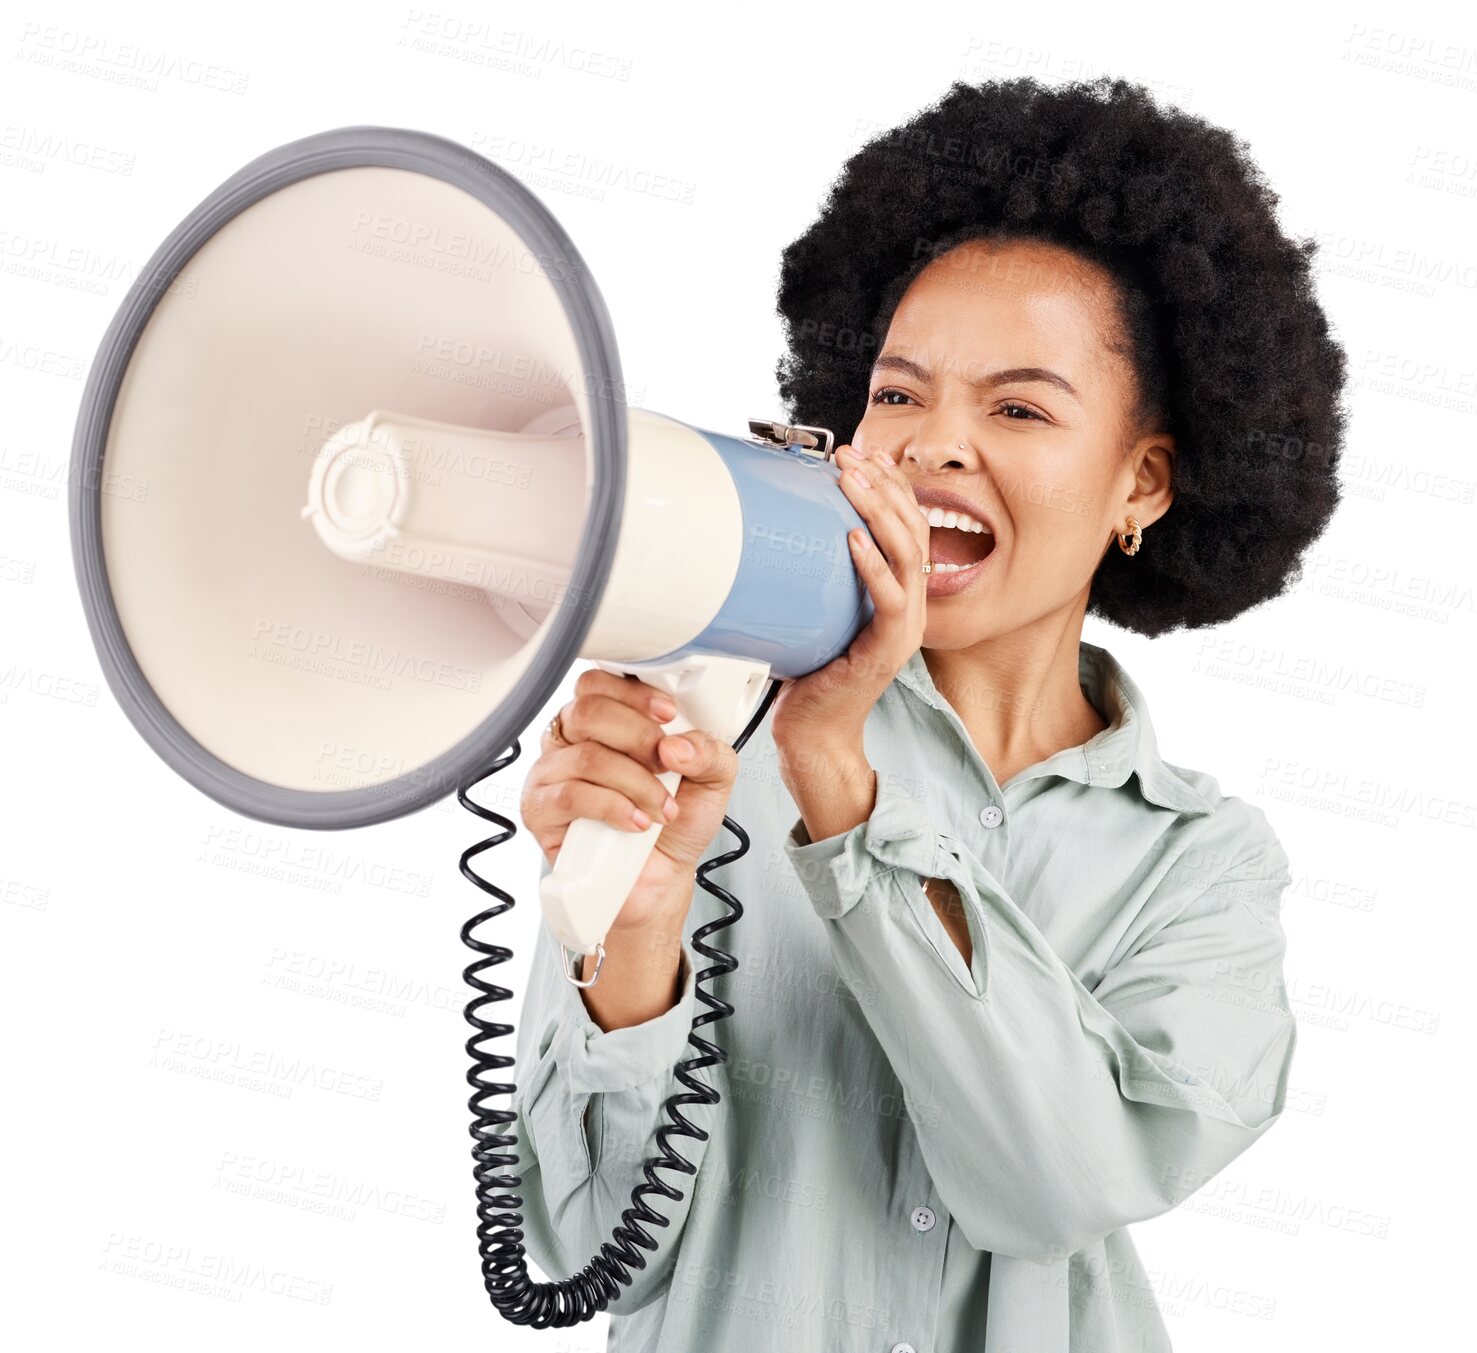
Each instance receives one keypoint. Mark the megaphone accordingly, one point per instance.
(394, 493)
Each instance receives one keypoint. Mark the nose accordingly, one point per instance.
(933, 447)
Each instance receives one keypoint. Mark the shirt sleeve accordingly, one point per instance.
(1049, 1115)
(587, 1108)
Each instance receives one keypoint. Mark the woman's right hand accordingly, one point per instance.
(608, 771)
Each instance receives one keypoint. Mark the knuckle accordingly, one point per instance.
(579, 714)
(588, 681)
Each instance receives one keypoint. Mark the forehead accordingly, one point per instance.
(1020, 303)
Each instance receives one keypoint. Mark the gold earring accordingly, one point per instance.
(1138, 537)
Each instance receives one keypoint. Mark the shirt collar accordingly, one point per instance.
(1127, 747)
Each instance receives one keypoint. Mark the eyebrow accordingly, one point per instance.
(891, 361)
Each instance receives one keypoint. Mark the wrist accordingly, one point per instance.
(822, 760)
(657, 909)
(642, 959)
(834, 789)
(638, 980)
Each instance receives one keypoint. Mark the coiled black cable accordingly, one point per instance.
(517, 1296)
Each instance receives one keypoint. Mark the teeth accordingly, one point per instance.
(960, 521)
(950, 568)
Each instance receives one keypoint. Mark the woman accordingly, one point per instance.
(1008, 980)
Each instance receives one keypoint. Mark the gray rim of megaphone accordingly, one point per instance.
(347, 148)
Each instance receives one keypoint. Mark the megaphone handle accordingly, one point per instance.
(598, 864)
(611, 858)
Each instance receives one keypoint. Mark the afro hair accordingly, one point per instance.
(1232, 353)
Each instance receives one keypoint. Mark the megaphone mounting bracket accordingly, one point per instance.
(813, 441)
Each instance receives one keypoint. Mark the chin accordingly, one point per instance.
(946, 634)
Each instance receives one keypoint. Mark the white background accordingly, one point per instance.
(132, 916)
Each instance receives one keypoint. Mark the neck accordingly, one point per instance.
(1018, 695)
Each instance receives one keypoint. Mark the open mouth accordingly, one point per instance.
(952, 548)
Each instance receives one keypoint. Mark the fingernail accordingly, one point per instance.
(663, 708)
(681, 749)
(669, 809)
(641, 819)
(860, 478)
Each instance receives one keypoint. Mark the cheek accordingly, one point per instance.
(1056, 533)
(872, 434)
(1055, 500)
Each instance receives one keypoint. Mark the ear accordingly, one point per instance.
(1150, 462)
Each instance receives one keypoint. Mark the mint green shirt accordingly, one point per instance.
(912, 1154)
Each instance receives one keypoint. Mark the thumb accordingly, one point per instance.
(710, 762)
(708, 777)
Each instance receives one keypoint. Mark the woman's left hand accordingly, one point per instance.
(828, 707)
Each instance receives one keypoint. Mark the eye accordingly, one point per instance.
(1015, 411)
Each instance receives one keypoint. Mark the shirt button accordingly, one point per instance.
(922, 1219)
(903, 1348)
(992, 816)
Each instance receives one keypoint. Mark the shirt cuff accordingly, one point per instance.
(596, 1060)
(837, 871)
